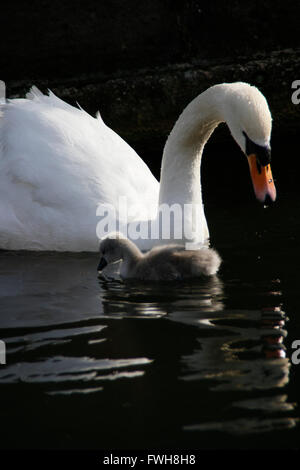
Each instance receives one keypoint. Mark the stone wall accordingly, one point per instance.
(141, 62)
(55, 38)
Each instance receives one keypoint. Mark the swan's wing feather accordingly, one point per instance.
(34, 93)
(57, 163)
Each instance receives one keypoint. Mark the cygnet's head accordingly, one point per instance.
(249, 119)
(110, 249)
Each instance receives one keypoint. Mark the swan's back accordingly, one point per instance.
(57, 163)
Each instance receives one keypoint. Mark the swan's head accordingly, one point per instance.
(111, 249)
(249, 119)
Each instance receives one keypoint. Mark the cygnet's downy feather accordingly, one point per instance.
(165, 263)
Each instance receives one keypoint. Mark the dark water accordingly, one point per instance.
(203, 364)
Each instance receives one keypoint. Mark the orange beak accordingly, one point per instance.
(262, 180)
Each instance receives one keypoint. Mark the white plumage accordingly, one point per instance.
(57, 164)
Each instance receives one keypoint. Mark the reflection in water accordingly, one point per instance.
(210, 357)
(50, 312)
(246, 426)
(65, 369)
(239, 350)
(248, 357)
(154, 300)
(43, 289)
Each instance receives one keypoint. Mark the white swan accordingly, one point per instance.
(57, 164)
(161, 263)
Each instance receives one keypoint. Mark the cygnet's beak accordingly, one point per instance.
(102, 264)
(262, 180)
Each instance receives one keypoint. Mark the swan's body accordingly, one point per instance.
(58, 164)
(161, 263)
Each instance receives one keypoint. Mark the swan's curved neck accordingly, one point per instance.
(180, 171)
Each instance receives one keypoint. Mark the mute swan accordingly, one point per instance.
(57, 164)
(161, 263)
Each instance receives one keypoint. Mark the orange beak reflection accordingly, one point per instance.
(262, 180)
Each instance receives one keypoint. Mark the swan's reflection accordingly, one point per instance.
(50, 312)
(240, 352)
(38, 289)
(197, 339)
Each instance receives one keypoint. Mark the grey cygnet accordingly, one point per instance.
(161, 263)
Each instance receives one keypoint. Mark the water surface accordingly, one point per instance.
(202, 364)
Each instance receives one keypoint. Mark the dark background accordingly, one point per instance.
(140, 62)
(52, 38)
